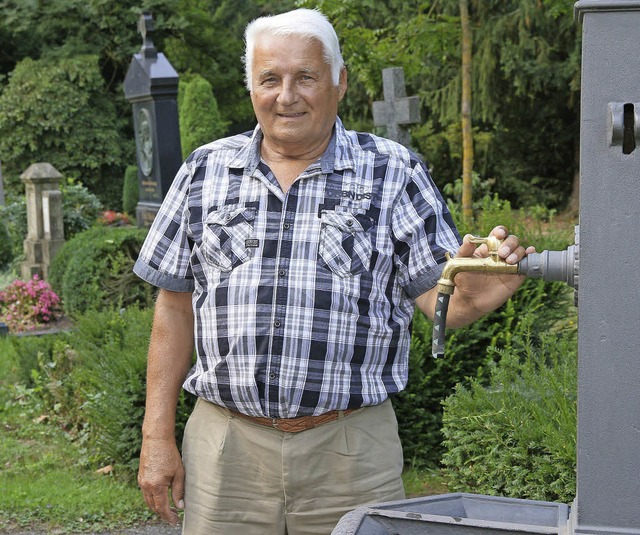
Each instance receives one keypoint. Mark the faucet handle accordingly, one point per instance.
(492, 243)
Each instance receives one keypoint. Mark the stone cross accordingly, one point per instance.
(146, 28)
(45, 229)
(396, 110)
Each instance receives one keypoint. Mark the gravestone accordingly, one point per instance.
(396, 110)
(45, 227)
(151, 85)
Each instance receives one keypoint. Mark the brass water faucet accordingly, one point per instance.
(490, 264)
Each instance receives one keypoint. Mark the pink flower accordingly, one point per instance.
(27, 304)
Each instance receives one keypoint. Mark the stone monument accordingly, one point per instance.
(45, 234)
(396, 110)
(151, 85)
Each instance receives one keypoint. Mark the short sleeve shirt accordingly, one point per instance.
(302, 300)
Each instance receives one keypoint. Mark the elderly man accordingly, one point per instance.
(291, 258)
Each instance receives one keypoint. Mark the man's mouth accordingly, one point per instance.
(290, 115)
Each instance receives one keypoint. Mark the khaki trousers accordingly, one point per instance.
(246, 479)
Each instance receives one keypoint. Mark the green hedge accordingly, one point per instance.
(516, 436)
(419, 406)
(93, 378)
(94, 270)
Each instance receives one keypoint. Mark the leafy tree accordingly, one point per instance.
(68, 28)
(526, 66)
(200, 120)
(58, 111)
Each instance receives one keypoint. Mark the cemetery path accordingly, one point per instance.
(148, 529)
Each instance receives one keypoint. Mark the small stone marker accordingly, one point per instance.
(396, 110)
(45, 234)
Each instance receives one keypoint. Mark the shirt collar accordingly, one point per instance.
(337, 155)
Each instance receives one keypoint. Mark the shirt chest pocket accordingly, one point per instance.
(345, 242)
(227, 238)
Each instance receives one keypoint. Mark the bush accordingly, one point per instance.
(419, 406)
(200, 119)
(95, 384)
(516, 437)
(80, 208)
(94, 270)
(30, 350)
(69, 131)
(14, 216)
(130, 192)
(6, 245)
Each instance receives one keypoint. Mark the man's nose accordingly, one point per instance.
(288, 94)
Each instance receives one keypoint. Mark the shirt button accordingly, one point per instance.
(272, 375)
(282, 272)
(350, 223)
(277, 323)
(286, 226)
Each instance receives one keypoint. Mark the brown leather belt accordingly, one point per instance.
(294, 425)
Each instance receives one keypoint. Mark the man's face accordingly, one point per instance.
(293, 96)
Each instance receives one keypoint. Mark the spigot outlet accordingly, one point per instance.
(446, 284)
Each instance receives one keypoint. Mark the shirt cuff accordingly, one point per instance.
(161, 280)
(424, 282)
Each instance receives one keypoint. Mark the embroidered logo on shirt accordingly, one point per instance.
(356, 196)
(251, 243)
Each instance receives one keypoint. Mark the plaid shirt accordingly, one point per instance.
(302, 300)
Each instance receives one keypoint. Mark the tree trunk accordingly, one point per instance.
(467, 134)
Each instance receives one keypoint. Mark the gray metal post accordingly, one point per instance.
(151, 85)
(608, 497)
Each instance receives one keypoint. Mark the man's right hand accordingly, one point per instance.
(161, 469)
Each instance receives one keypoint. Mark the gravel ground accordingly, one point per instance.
(148, 529)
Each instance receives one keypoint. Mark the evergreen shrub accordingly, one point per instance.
(419, 406)
(516, 435)
(94, 270)
(130, 192)
(14, 216)
(30, 350)
(200, 119)
(94, 383)
(80, 208)
(6, 245)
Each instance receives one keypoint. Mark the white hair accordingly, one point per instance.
(305, 23)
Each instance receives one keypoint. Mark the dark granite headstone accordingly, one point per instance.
(151, 85)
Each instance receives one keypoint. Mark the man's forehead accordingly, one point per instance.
(290, 42)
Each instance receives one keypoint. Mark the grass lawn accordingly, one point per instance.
(50, 483)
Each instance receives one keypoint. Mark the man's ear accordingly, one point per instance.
(342, 84)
